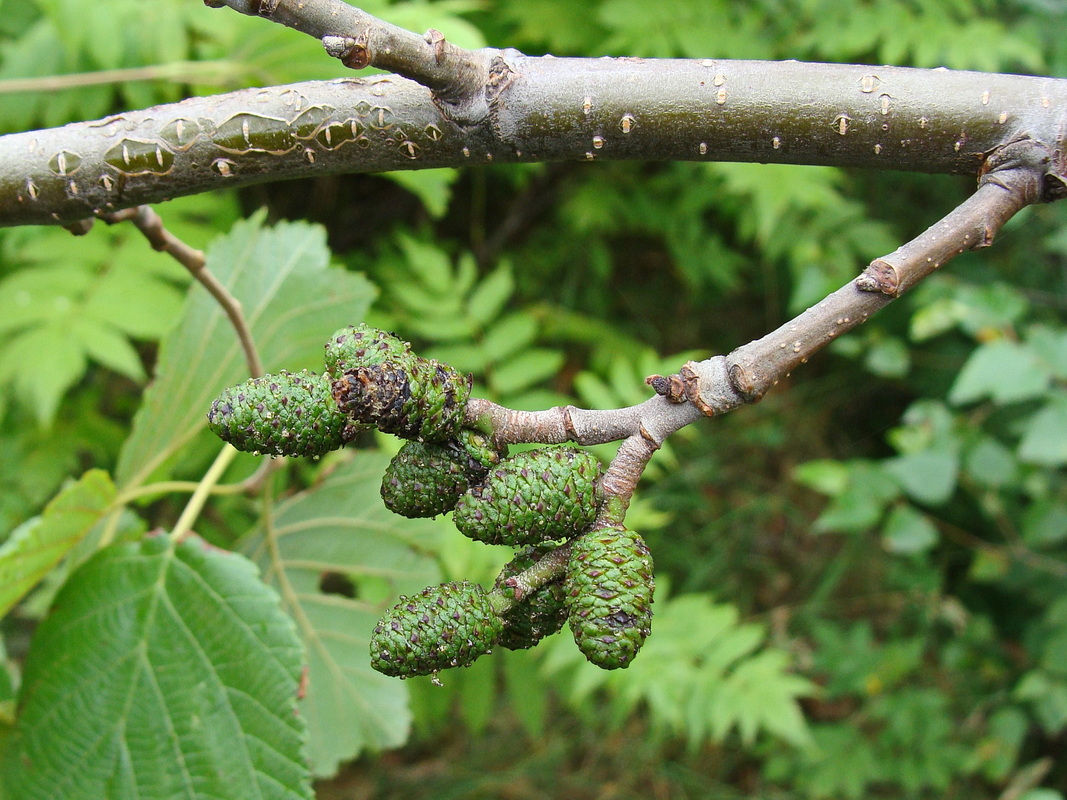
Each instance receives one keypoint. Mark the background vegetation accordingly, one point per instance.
(863, 579)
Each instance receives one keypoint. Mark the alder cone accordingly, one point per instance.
(532, 497)
(609, 587)
(363, 346)
(540, 614)
(414, 398)
(287, 414)
(425, 479)
(444, 626)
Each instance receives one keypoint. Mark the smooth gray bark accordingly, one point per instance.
(536, 109)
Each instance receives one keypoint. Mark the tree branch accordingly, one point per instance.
(539, 109)
(1015, 178)
(457, 77)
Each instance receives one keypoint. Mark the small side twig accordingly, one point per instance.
(150, 224)
(1015, 176)
(457, 77)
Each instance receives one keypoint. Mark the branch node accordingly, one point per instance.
(880, 276)
(648, 437)
(691, 381)
(671, 387)
(436, 39)
(266, 8)
(79, 227)
(501, 76)
(1006, 165)
(568, 424)
(743, 382)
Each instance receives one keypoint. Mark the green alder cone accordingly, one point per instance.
(441, 627)
(540, 614)
(363, 346)
(532, 497)
(609, 587)
(287, 414)
(424, 480)
(418, 399)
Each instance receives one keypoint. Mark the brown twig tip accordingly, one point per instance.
(671, 387)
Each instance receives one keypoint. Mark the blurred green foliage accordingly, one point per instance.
(867, 571)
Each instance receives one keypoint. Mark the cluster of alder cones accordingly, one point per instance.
(535, 501)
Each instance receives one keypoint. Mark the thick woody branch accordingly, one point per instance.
(457, 77)
(539, 109)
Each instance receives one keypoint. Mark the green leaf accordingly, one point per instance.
(80, 299)
(509, 335)
(478, 694)
(702, 673)
(1045, 438)
(1048, 699)
(107, 346)
(432, 186)
(489, 297)
(163, 672)
(888, 358)
(989, 566)
(1004, 371)
(342, 526)
(39, 544)
(429, 265)
(31, 297)
(525, 370)
(861, 504)
(527, 691)
(936, 317)
(1044, 523)
(42, 364)
(140, 308)
(1051, 345)
(991, 463)
(758, 696)
(292, 301)
(907, 532)
(1042, 794)
(928, 476)
(825, 476)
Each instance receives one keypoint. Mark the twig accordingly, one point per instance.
(214, 72)
(249, 485)
(150, 224)
(456, 76)
(1012, 178)
(192, 509)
